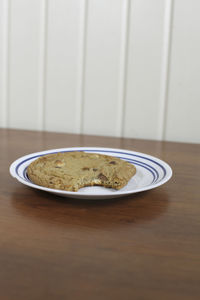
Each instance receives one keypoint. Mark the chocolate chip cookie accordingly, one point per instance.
(71, 171)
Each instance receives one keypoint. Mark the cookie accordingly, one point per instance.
(71, 171)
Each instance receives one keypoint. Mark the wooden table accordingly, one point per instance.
(144, 246)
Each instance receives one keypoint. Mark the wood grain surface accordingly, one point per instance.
(144, 246)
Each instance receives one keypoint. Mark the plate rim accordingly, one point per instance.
(169, 172)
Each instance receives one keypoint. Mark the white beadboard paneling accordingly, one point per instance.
(81, 66)
(123, 67)
(23, 64)
(183, 113)
(102, 68)
(4, 59)
(42, 64)
(119, 67)
(63, 34)
(164, 84)
(144, 69)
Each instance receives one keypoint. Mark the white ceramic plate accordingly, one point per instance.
(151, 173)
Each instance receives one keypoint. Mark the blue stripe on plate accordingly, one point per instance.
(142, 164)
(135, 155)
(149, 168)
(25, 175)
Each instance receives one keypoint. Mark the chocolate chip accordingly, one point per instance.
(51, 180)
(112, 162)
(85, 169)
(94, 169)
(102, 177)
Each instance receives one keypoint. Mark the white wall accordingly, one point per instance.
(110, 67)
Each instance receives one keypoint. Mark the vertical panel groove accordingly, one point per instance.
(165, 69)
(5, 63)
(42, 64)
(123, 68)
(81, 67)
